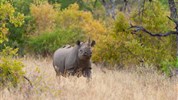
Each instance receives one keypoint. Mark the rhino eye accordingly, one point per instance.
(81, 50)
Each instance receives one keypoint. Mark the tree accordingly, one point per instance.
(173, 17)
(11, 70)
(173, 9)
(109, 7)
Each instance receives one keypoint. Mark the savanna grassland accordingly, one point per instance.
(132, 64)
(123, 84)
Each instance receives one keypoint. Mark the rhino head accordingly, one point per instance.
(85, 49)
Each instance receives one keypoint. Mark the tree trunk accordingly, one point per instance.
(109, 7)
(173, 10)
(172, 7)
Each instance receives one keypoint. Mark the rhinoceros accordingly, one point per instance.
(70, 60)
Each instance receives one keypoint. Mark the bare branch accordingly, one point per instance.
(28, 80)
(172, 19)
(140, 28)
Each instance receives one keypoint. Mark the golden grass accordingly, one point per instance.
(143, 84)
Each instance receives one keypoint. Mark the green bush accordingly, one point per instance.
(16, 38)
(15, 35)
(48, 42)
(121, 47)
(73, 18)
(44, 16)
(21, 6)
(11, 70)
(84, 5)
(155, 20)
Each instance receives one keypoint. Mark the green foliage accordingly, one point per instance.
(118, 46)
(48, 42)
(11, 72)
(10, 24)
(83, 4)
(121, 47)
(155, 20)
(17, 35)
(50, 28)
(10, 69)
(121, 23)
(21, 6)
(70, 25)
(165, 3)
(167, 66)
(64, 3)
(73, 18)
(8, 17)
(44, 16)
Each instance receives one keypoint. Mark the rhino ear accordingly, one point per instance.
(93, 43)
(78, 42)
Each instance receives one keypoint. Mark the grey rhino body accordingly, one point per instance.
(73, 60)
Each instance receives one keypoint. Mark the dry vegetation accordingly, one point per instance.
(113, 85)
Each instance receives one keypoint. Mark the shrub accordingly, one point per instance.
(7, 11)
(64, 3)
(70, 24)
(121, 47)
(155, 19)
(44, 17)
(83, 4)
(167, 66)
(118, 46)
(10, 69)
(73, 18)
(21, 6)
(18, 35)
(48, 42)
(11, 29)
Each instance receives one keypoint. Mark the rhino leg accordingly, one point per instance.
(59, 71)
(71, 71)
(56, 69)
(87, 72)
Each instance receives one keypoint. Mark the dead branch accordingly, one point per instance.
(140, 28)
(28, 80)
(174, 20)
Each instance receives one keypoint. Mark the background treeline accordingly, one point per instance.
(39, 27)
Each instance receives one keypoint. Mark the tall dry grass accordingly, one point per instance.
(140, 84)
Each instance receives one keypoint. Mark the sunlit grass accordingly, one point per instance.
(140, 84)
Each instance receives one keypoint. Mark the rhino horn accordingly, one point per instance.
(89, 41)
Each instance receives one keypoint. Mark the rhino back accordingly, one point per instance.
(59, 58)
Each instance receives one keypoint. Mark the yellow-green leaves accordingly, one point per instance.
(73, 18)
(9, 52)
(8, 15)
(119, 46)
(10, 72)
(121, 23)
(10, 69)
(44, 16)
